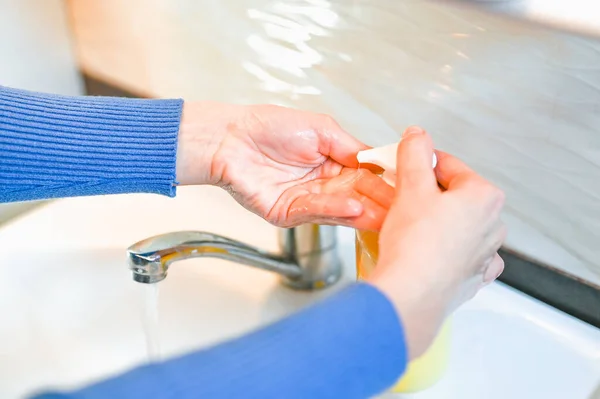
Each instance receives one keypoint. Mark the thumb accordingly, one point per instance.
(414, 162)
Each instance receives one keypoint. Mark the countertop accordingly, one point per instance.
(72, 314)
(516, 102)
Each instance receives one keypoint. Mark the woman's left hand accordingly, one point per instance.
(288, 166)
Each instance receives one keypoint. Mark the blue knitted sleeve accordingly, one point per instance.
(349, 346)
(59, 146)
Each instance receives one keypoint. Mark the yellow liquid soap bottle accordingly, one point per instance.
(429, 368)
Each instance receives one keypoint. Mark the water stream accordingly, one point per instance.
(150, 321)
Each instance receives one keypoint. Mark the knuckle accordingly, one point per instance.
(491, 197)
(469, 181)
(328, 120)
(503, 232)
(472, 182)
(500, 237)
(495, 195)
(365, 174)
(500, 196)
(326, 124)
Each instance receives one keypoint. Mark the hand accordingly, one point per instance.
(437, 247)
(288, 166)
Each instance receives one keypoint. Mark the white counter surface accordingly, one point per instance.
(71, 313)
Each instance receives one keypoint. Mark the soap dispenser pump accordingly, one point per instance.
(385, 158)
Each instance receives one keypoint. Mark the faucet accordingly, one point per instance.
(307, 259)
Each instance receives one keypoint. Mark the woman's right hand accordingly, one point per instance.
(438, 246)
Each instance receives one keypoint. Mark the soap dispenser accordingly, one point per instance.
(429, 368)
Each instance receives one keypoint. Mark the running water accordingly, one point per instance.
(150, 321)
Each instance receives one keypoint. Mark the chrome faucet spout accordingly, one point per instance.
(308, 258)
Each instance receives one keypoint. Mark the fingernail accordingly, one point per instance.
(412, 130)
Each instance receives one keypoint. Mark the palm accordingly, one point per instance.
(290, 173)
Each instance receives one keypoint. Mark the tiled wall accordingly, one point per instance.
(36, 54)
(520, 104)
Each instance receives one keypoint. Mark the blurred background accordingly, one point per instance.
(512, 87)
(517, 101)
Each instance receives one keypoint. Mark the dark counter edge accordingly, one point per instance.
(547, 284)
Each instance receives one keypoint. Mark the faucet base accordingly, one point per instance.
(320, 267)
(313, 285)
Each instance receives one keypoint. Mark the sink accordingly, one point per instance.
(72, 314)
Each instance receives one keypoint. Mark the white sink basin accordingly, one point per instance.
(72, 314)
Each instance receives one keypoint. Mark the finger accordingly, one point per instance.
(414, 171)
(371, 186)
(497, 235)
(363, 222)
(451, 172)
(494, 269)
(372, 168)
(372, 217)
(337, 209)
(324, 205)
(494, 237)
(354, 182)
(335, 142)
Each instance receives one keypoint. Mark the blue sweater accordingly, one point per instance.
(350, 345)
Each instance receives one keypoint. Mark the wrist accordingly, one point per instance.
(420, 314)
(201, 132)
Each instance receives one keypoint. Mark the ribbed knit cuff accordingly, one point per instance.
(61, 146)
